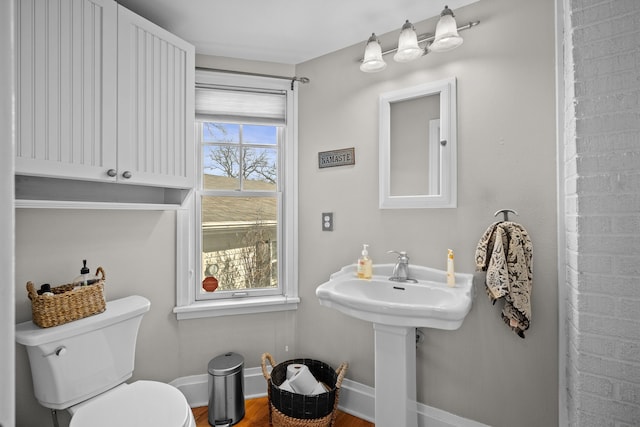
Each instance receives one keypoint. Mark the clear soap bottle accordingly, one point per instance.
(365, 265)
(85, 278)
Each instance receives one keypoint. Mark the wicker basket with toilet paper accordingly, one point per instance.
(302, 392)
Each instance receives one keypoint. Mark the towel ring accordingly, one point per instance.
(505, 212)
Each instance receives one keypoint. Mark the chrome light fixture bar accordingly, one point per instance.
(445, 39)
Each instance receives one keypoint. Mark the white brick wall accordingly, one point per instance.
(602, 211)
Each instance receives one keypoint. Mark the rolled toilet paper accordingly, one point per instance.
(293, 368)
(303, 381)
(286, 386)
(319, 389)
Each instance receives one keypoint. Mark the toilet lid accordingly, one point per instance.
(140, 404)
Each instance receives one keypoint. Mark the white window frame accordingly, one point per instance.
(188, 227)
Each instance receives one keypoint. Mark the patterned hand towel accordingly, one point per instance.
(505, 253)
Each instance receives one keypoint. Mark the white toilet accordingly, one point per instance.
(82, 367)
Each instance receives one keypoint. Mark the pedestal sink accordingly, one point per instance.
(396, 309)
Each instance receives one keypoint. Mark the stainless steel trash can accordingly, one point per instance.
(226, 389)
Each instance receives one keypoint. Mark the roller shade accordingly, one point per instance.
(227, 104)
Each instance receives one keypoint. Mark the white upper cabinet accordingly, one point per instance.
(102, 95)
(66, 81)
(155, 104)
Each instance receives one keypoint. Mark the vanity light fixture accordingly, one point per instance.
(408, 48)
(445, 39)
(373, 61)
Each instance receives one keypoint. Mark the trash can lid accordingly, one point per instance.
(225, 364)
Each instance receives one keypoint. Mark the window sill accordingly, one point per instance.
(216, 308)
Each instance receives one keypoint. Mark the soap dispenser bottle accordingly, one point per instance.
(365, 265)
(85, 278)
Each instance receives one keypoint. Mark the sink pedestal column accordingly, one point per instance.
(395, 376)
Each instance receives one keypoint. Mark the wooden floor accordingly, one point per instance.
(257, 415)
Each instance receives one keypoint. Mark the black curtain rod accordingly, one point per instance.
(293, 79)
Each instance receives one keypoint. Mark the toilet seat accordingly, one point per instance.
(139, 404)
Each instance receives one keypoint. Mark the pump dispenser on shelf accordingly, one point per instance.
(365, 265)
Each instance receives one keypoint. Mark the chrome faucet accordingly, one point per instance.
(401, 269)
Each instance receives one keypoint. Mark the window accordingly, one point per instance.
(237, 238)
(238, 205)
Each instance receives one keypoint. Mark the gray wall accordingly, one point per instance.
(506, 143)
(602, 160)
(506, 152)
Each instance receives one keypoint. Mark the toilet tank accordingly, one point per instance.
(73, 362)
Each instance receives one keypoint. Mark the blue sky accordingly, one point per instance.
(252, 134)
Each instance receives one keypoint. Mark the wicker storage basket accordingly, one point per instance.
(67, 304)
(288, 409)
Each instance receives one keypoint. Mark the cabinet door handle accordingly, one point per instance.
(112, 172)
(126, 174)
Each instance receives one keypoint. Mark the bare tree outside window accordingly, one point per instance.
(230, 160)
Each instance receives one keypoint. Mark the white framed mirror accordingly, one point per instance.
(418, 162)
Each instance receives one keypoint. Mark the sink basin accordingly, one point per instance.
(427, 303)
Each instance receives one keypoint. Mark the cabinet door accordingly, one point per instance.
(155, 104)
(66, 88)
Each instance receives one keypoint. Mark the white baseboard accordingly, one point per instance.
(355, 398)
